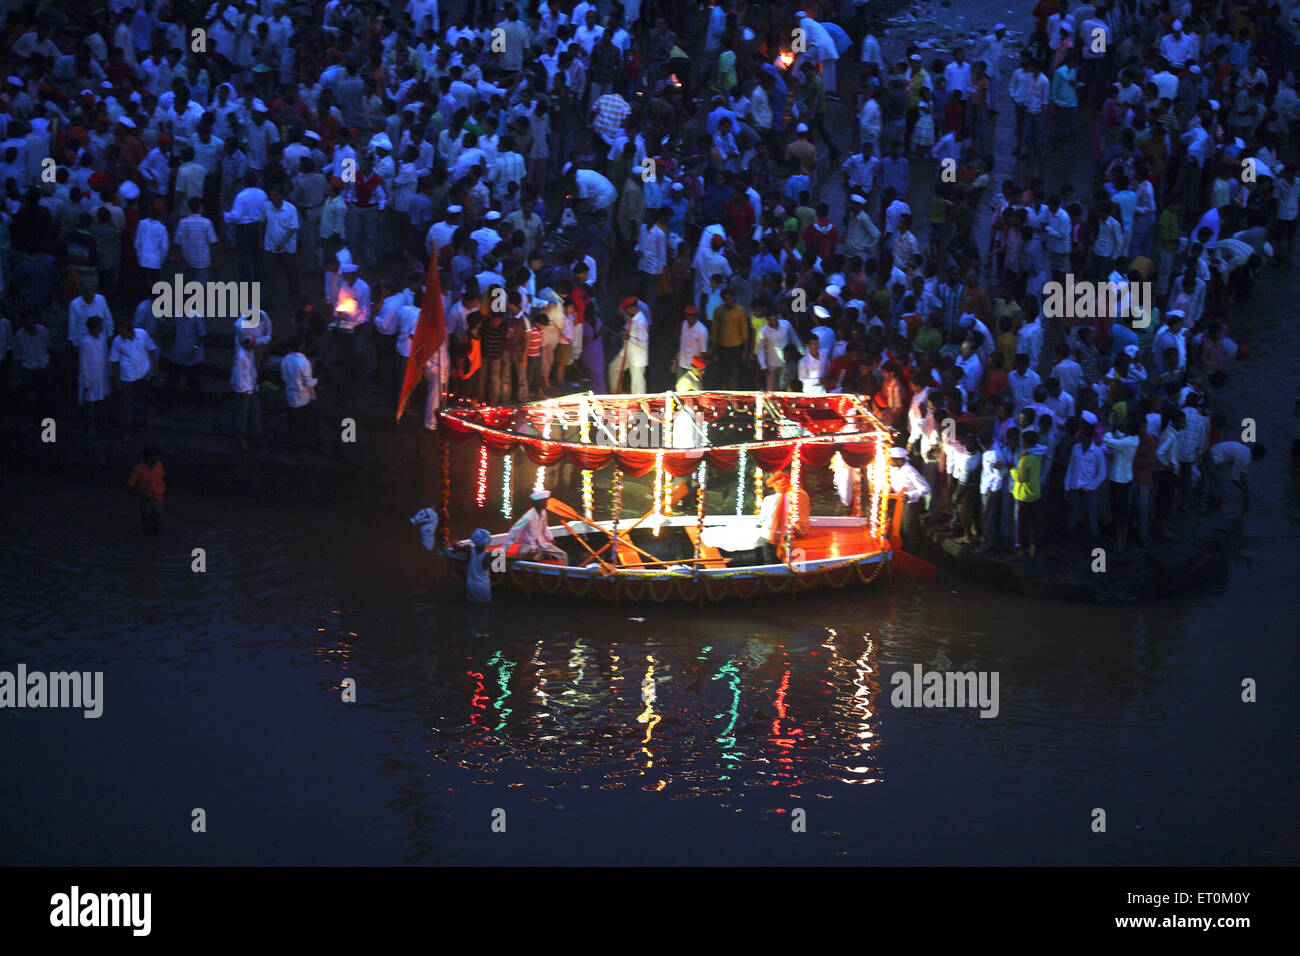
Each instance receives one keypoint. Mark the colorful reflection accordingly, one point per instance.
(759, 713)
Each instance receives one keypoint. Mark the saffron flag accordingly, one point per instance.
(430, 331)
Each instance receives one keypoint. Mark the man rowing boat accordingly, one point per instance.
(533, 536)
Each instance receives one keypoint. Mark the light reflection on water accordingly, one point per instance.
(684, 720)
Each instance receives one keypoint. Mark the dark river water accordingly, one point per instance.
(688, 737)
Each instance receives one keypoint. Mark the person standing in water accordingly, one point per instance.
(478, 576)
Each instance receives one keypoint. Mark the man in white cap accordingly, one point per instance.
(533, 536)
(488, 235)
(441, 233)
(861, 234)
(825, 334)
(352, 309)
(259, 134)
(1178, 47)
(906, 481)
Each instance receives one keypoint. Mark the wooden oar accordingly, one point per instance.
(578, 538)
(561, 510)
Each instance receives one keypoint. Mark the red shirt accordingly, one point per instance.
(148, 479)
(995, 383)
(821, 241)
(580, 299)
(740, 219)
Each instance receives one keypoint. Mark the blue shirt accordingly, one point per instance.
(717, 23)
(777, 98)
(1063, 93)
(896, 173)
(1121, 336)
(796, 184)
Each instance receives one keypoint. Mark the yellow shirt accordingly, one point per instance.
(731, 326)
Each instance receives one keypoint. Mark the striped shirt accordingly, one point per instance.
(1191, 440)
(507, 168)
(611, 111)
(195, 237)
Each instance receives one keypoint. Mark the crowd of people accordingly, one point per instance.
(640, 195)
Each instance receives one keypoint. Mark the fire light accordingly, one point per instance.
(347, 305)
(786, 59)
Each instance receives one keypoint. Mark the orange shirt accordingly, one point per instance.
(148, 479)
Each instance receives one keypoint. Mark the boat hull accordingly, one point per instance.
(712, 584)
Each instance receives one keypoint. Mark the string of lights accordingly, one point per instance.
(480, 493)
(507, 486)
(740, 481)
(540, 483)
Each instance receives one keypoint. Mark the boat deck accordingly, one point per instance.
(820, 544)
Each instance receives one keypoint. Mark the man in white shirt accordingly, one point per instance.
(652, 252)
(811, 369)
(1067, 372)
(1229, 462)
(387, 320)
(1029, 340)
(1083, 478)
(280, 241)
(532, 534)
(1018, 92)
(245, 214)
(1178, 47)
(905, 480)
(151, 243)
(132, 357)
(958, 74)
(773, 340)
(1022, 380)
(1035, 112)
(243, 379)
(89, 303)
(299, 393)
(692, 340)
(634, 356)
(591, 187)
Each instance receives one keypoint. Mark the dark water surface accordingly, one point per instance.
(686, 738)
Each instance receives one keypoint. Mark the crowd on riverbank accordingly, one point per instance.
(640, 196)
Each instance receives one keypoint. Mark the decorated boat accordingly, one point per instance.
(741, 456)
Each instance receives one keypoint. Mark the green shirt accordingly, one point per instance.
(928, 339)
(1025, 485)
(817, 95)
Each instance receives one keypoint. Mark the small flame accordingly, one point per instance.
(347, 305)
(786, 60)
